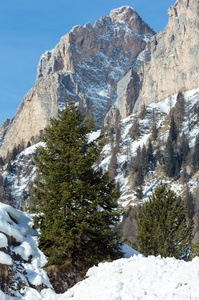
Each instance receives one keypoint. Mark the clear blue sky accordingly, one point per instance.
(30, 27)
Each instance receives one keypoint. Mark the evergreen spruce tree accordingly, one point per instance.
(179, 110)
(77, 205)
(184, 148)
(173, 133)
(150, 156)
(1, 161)
(195, 248)
(9, 167)
(190, 204)
(14, 153)
(170, 159)
(140, 177)
(195, 158)
(162, 226)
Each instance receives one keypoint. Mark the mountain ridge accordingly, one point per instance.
(86, 65)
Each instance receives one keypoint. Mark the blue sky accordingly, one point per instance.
(30, 27)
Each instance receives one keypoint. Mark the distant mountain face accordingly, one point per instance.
(172, 63)
(86, 65)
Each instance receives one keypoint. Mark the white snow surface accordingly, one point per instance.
(5, 259)
(151, 278)
(131, 278)
(30, 260)
(3, 241)
(134, 278)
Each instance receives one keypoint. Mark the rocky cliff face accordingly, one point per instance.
(171, 62)
(86, 65)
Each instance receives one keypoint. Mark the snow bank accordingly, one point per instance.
(5, 259)
(137, 277)
(3, 241)
(27, 267)
(14, 222)
(151, 278)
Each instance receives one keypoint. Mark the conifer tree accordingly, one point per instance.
(173, 133)
(179, 110)
(195, 248)
(189, 201)
(170, 159)
(150, 156)
(195, 158)
(77, 205)
(1, 161)
(184, 148)
(14, 153)
(162, 226)
(140, 177)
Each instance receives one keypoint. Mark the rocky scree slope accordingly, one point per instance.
(86, 65)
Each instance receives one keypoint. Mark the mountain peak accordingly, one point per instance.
(130, 17)
(123, 13)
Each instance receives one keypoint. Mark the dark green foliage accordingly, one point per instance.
(140, 177)
(159, 156)
(197, 113)
(195, 158)
(77, 205)
(162, 226)
(179, 110)
(173, 133)
(1, 161)
(139, 193)
(154, 131)
(170, 159)
(151, 161)
(184, 147)
(14, 153)
(195, 248)
(138, 159)
(144, 160)
(9, 167)
(190, 204)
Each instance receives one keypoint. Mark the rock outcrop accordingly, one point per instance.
(171, 62)
(86, 65)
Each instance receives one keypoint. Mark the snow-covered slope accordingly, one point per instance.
(151, 278)
(21, 261)
(129, 145)
(135, 278)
